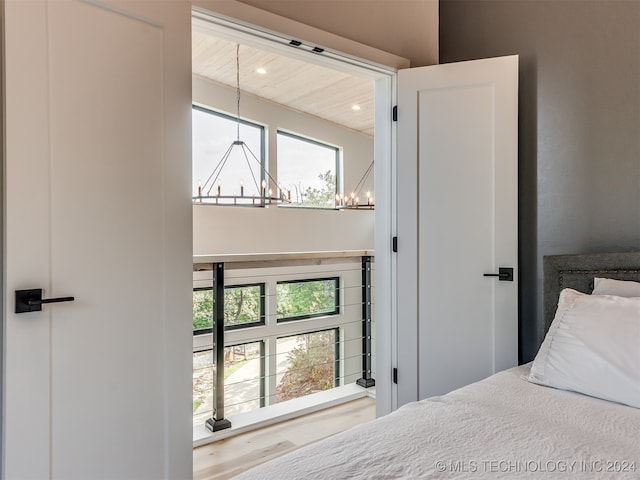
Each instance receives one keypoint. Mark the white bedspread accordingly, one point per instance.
(501, 427)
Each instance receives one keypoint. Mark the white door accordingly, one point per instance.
(97, 159)
(457, 220)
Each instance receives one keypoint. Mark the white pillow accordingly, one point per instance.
(621, 288)
(593, 347)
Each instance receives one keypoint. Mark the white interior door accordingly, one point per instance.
(98, 164)
(457, 220)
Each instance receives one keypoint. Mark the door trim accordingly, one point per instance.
(384, 77)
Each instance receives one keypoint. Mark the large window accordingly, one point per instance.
(309, 169)
(213, 134)
(289, 331)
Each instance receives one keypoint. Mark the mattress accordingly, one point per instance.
(501, 427)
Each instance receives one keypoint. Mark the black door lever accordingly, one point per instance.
(505, 274)
(31, 300)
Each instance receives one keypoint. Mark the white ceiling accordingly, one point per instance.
(312, 89)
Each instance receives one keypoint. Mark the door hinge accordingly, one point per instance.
(395, 376)
(394, 244)
(394, 113)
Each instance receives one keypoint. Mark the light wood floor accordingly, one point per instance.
(231, 456)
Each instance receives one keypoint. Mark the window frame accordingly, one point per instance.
(238, 326)
(264, 164)
(263, 314)
(319, 143)
(261, 379)
(337, 306)
(337, 332)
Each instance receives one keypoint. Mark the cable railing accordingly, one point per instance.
(281, 327)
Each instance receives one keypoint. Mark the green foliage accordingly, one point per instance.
(324, 197)
(311, 367)
(242, 305)
(306, 298)
(202, 309)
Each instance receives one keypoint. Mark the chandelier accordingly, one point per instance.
(356, 200)
(262, 189)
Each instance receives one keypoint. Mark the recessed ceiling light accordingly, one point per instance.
(261, 71)
(355, 107)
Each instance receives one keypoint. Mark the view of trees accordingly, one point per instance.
(324, 197)
(242, 305)
(311, 366)
(202, 309)
(303, 298)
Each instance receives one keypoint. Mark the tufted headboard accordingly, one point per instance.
(578, 272)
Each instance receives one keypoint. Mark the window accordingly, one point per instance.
(202, 310)
(243, 377)
(312, 341)
(243, 384)
(243, 307)
(213, 134)
(243, 364)
(309, 169)
(300, 299)
(307, 364)
(202, 385)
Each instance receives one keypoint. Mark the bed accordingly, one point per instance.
(574, 411)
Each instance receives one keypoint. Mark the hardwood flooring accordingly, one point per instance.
(231, 456)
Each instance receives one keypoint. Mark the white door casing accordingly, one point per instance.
(98, 163)
(457, 220)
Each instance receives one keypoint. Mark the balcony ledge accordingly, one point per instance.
(281, 412)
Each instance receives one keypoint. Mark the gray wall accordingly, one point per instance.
(579, 126)
(2, 228)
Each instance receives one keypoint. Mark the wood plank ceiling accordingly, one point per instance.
(302, 86)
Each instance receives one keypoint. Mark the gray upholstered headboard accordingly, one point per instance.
(578, 272)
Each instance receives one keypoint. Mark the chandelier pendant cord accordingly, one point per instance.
(238, 91)
(264, 194)
(363, 179)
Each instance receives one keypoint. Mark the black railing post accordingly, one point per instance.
(217, 421)
(366, 380)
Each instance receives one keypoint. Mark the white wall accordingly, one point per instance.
(230, 230)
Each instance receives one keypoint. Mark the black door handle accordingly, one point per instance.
(31, 300)
(505, 274)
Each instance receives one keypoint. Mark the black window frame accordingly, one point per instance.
(337, 379)
(263, 134)
(319, 143)
(336, 310)
(262, 378)
(261, 322)
(261, 356)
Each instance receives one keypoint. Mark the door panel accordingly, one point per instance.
(98, 206)
(84, 158)
(457, 138)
